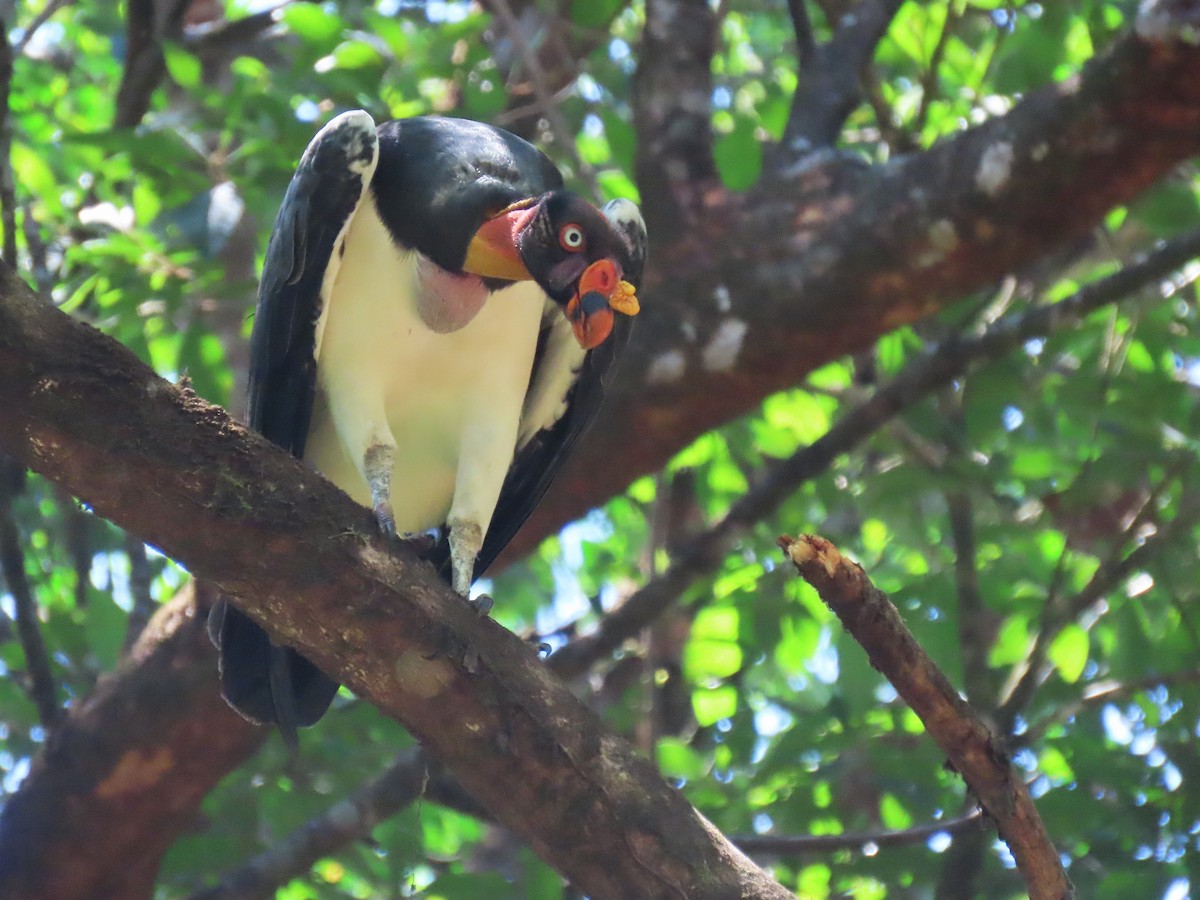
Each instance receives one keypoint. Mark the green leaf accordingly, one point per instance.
(183, 67)
(312, 23)
(677, 760)
(703, 659)
(739, 156)
(893, 814)
(712, 705)
(594, 13)
(1069, 652)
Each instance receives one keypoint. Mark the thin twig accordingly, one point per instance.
(1103, 692)
(140, 578)
(353, 818)
(934, 369)
(41, 686)
(806, 42)
(37, 22)
(1115, 569)
(8, 190)
(545, 95)
(929, 82)
(804, 844)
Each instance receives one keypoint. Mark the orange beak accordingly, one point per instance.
(493, 252)
(590, 311)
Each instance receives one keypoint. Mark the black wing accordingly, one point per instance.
(539, 460)
(319, 205)
(264, 682)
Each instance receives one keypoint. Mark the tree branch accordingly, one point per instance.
(807, 844)
(544, 94)
(872, 620)
(672, 92)
(305, 561)
(830, 86)
(148, 22)
(1115, 569)
(41, 685)
(806, 42)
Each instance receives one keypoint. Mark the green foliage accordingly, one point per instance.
(785, 726)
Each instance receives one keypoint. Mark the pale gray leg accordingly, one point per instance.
(377, 467)
(466, 538)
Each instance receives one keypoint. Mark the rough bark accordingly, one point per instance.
(306, 562)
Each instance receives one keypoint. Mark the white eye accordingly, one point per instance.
(571, 237)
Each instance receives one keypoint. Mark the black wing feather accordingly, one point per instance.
(322, 197)
(539, 461)
(264, 682)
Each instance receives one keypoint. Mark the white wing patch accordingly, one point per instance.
(362, 152)
(556, 373)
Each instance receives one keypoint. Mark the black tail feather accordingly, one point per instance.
(265, 683)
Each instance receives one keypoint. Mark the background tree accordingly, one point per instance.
(921, 280)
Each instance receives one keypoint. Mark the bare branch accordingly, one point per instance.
(41, 685)
(806, 43)
(672, 94)
(830, 86)
(1033, 670)
(37, 22)
(148, 23)
(1103, 692)
(983, 763)
(929, 82)
(785, 845)
(544, 93)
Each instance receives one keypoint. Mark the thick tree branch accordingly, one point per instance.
(672, 92)
(983, 763)
(831, 84)
(749, 293)
(148, 23)
(304, 561)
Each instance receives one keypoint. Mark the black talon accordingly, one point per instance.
(386, 521)
(422, 542)
(483, 605)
